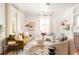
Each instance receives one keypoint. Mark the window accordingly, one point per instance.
(14, 20)
(14, 23)
(44, 24)
(76, 23)
(76, 16)
(76, 20)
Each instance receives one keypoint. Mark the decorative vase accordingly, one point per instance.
(43, 36)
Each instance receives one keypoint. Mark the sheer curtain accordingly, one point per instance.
(77, 20)
(76, 23)
(44, 24)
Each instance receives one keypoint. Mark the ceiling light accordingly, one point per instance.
(47, 3)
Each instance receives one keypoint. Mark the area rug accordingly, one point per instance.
(12, 53)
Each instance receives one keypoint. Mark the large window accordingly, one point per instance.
(76, 23)
(14, 20)
(76, 17)
(76, 20)
(44, 24)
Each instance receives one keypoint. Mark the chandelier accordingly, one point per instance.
(46, 9)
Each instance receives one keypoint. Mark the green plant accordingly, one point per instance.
(1, 28)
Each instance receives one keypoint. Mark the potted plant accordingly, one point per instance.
(1, 28)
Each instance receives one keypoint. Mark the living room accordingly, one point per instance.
(39, 29)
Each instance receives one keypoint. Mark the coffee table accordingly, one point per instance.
(32, 48)
(37, 50)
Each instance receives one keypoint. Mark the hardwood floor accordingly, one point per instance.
(8, 51)
(15, 52)
(5, 52)
(77, 51)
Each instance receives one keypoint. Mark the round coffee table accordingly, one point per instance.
(37, 50)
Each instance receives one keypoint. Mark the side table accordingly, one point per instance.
(52, 50)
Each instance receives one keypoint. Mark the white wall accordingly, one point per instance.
(2, 16)
(56, 23)
(37, 23)
(2, 13)
(2, 21)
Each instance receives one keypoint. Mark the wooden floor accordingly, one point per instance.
(77, 51)
(7, 52)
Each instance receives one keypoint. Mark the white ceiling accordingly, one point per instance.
(37, 8)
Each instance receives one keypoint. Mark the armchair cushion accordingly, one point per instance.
(26, 40)
(61, 48)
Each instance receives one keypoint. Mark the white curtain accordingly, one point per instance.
(44, 24)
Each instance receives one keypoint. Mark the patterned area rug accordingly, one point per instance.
(38, 50)
(12, 53)
(77, 51)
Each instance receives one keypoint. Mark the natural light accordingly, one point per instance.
(78, 20)
(44, 24)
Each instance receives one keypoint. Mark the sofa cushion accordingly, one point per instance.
(61, 48)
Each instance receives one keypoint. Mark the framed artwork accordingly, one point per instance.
(66, 25)
(31, 25)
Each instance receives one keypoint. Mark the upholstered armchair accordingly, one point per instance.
(21, 40)
(66, 47)
(10, 38)
(11, 44)
(61, 48)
